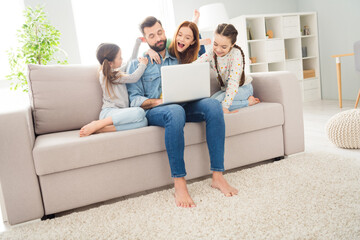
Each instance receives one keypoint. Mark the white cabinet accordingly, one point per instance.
(289, 49)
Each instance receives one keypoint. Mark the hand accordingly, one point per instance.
(154, 56)
(143, 60)
(226, 111)
(142, 39)
(205, 41)
(158, 101)
(196, 16)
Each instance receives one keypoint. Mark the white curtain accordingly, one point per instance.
(11, 19)
(115, 21)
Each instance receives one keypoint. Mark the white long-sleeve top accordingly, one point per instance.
(119, 95)
(230, 69)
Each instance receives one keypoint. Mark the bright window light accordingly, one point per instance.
(11, 19)
(116, 22)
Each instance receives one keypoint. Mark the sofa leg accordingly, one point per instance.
(278, 158)
(46, 217)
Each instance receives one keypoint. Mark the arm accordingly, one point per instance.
(233, 81)
(208, 56)
(134, 55)
(135, 90)
(283, 88)
(150, 103)
(137, 93)
(133, 77)
(19, 182)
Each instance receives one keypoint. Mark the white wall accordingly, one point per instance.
(338, 24)
(184, 8)
(61, 16)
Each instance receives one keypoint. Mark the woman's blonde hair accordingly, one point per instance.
(106, 53)
(191, 53)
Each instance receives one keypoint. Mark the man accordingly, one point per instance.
(146, 94)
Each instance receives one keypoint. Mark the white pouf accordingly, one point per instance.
(343, 129)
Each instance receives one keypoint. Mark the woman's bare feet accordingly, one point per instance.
(219, 182)
(182, 196)
(252, 100)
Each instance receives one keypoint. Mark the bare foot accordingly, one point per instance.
(89, 129)
(182, 196)
(219, 182)
(196, 16)
(252, 100)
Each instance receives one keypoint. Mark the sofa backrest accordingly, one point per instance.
(63, 97)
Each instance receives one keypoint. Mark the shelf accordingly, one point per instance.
(255, 64)
(308, 36)
(287, 50)
(311, 57)
(257, 40)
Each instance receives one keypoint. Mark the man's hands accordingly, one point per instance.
(150, 103)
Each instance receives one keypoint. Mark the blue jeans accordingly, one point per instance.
(240, 99)
(173, 117)
(125, 118)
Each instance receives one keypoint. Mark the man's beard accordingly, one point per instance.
(158, 49)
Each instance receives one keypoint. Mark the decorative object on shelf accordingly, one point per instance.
(270, 34)
(304, 51)
(309, 73)
(39, 44)
(248, 31)
(253, 59)
(306, 30)
(343, 129)
(212, 15)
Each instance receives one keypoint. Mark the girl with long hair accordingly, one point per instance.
(116, 114)
(228, 60)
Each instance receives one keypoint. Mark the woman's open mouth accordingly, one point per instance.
(180, 45)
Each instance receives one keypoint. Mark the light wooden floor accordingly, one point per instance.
(316, 114)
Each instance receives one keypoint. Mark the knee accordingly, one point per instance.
(140, 112)
(175, 115)
(212, 106)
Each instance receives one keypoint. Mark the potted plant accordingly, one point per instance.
(38, 44)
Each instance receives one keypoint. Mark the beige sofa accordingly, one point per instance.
(45, 167)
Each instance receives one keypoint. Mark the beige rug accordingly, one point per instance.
(306, 196)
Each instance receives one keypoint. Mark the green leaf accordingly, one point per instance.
(38, 42)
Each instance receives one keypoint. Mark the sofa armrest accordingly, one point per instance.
(19, 182)
(283, 87)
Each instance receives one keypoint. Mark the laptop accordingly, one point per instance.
(185, 82)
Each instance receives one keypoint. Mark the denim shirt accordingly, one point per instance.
(149, 85)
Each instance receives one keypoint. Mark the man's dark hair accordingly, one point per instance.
(148, 22)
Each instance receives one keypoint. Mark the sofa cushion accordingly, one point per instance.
(63, 151)
(63, 97)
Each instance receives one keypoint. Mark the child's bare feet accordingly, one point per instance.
(182, 196)
(196, 16)
(90, 128)
(252, 100)
(219, 182)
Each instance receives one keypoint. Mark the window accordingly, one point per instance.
(116, 22)
(11, 19)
